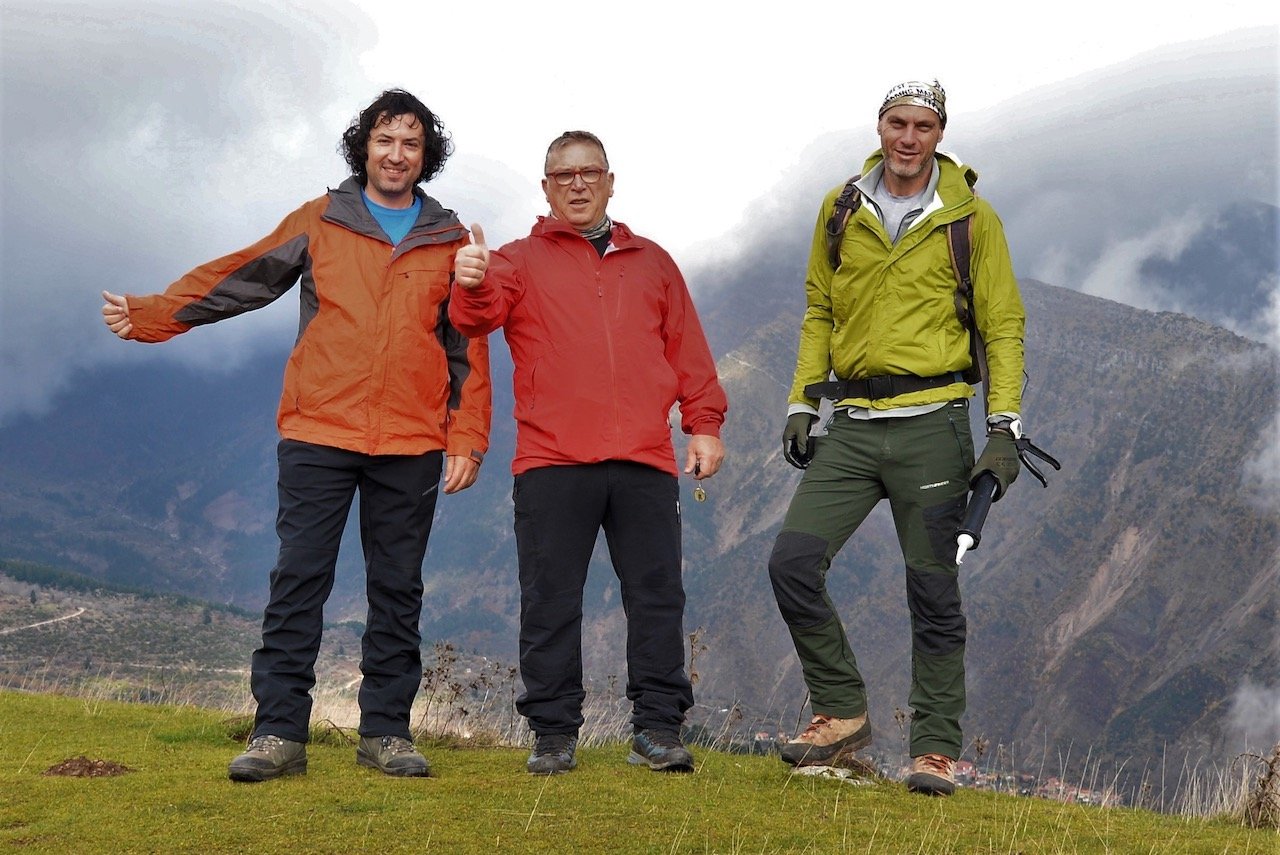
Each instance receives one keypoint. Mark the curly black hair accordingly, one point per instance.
(388, 105)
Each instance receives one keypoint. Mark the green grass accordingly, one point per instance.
(480, 800)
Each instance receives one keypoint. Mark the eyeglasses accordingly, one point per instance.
(590, 175)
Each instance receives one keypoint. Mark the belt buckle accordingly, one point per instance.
(880, 387)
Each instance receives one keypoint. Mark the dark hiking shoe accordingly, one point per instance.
(392, 755)
(826, 740)
(932, 775)
(269, 757)
(661, 751)
(552, 753)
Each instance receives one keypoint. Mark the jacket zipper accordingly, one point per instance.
(608, 340)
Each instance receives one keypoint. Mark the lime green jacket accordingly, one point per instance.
(891, 309)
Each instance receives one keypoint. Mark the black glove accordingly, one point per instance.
(1000, 458)
(797, 445)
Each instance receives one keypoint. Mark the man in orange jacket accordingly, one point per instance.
(381, 395)
(605, 339)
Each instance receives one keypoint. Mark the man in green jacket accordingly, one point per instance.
(882, 334)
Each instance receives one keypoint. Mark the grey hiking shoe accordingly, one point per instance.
(269, 757)
(392, 755)
(826, 740)
(660, 750)
(552, 753)
(932, 775)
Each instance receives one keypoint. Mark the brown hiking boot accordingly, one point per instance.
(826, 739)
(933, 775)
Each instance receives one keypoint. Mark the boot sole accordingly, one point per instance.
(930, 785)
(249, 775)
(637, 759)
(815, 757)
(405, 772)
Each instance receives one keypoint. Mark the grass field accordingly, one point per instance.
(480, 800)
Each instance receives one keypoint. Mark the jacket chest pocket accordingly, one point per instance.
(420, 292)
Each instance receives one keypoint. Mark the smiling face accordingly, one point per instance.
(909, 136)
(394, 162)
(578, 203)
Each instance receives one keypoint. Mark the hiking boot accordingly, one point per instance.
(826, 739)
(269, 757)
(392, 755)
(661, 750)
(933, 775)
(552, 753)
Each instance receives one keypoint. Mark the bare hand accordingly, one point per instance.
(704, 456)
(115, 314)
(471, 261)
(459, 472)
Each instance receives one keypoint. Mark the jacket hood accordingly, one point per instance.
(548, 226)
(347, 208)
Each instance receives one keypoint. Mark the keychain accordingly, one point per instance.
(699, 494)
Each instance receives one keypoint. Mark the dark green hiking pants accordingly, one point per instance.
(921, 465)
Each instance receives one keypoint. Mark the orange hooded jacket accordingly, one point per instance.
(377, 368)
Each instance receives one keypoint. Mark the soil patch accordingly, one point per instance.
(83, 767)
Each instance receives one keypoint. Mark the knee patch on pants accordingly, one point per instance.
(796, 569)
(937, 623)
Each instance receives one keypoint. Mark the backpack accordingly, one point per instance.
(959, 242)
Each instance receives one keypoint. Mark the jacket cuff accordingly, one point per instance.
(792, 409)
(706, 427)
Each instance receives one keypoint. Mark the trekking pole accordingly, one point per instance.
(970, 533)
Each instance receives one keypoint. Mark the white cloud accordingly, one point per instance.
(1117, 274)
(142, 137)
(1254, 717)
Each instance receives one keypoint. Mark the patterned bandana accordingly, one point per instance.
(599, 230)
(918, 93)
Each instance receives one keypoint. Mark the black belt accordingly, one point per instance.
(884, 386)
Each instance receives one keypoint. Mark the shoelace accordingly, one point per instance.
(936, 763)
(264, 744)
(553, 743)
(663, 739)
(397, 745)
(819, 722)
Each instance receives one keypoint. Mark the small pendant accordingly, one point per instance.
(699, 494)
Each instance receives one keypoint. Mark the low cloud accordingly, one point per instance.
(1118, 273)
(1254, 718)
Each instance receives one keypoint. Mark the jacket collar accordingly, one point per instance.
(347, 209)
(952, 182)
(549, 227)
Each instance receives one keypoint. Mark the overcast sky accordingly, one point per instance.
(142, 138)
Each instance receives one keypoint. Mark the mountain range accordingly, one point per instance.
(1130, 609)
(1120, 608)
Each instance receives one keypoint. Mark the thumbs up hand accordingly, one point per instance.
(471, 261)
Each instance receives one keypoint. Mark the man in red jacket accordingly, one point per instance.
(605, 340)
(381, 394)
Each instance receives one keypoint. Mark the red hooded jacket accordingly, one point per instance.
(603, 347)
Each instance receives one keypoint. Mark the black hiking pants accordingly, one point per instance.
(397, 499)
(559, 511)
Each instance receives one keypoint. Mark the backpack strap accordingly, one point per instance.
(960, 244)
(849, 200)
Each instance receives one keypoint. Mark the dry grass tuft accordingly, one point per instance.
(1262, 805)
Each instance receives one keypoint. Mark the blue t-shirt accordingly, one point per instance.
(396, 222)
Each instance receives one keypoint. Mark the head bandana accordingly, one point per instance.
(916, 93)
